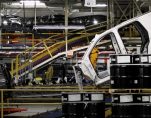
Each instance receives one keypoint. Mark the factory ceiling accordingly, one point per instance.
(54, 7)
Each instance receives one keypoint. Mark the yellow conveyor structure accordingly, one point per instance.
(52, 48)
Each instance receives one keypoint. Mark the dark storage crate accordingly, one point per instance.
(147, 70)
(122, 98)
(146, 82)
(130, 70)
(131, 111)
(83, 105)
(145, 111)
(136, 59)
(137, 98)
(71, 97)
(126, 82)
(136, 74)
(72, 116)
(95, 110)
(79, 97)
(114, 70)
(131, 105)
(121, 59)
(144, 59)
(121, 111)
(115, 82)
(70, 109)
(130, 58)
(113, 59)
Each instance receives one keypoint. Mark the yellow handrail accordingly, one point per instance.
(49, 50)
(45, 52)
(12, 67)
(9, 102)
(69, 33)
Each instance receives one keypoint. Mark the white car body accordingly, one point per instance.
(86, 66)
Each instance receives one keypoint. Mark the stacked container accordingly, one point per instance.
(130, 72)
(83, 105)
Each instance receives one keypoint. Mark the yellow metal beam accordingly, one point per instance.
(2, 104)
(33, 40)
(108, 113)
(12, 67)
(17, 64)
(30, 104)
(56, 90)
(47, 49)
(56, 86)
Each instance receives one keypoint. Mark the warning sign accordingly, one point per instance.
(90, 3)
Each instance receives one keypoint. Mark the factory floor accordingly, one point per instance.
(34, 111)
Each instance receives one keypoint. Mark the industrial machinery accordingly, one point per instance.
(114, 43)
(5, 78)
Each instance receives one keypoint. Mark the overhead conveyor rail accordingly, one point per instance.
(27, 60)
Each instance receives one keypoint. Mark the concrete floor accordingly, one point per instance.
(33, 110)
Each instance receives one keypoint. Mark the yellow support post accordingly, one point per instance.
(47, 48)
(17, 62)
(2, 105)
(33, 40)
(12, 67)
(86, 36)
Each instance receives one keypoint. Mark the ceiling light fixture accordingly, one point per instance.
(5, 22)
(95, 22)
(2, 14)
(101, 5)
(57, 27)
(30, 3)
(93, 3)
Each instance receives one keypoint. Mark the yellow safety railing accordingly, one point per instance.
(16, 101)
(49, 49)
